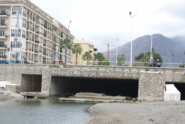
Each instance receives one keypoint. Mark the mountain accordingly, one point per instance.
(162, 45)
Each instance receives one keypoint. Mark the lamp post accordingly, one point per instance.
(130, 13)
(173, 60)
(65, 45)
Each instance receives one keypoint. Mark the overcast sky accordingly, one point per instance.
(103, 21)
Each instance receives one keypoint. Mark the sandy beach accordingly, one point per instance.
(138, 113)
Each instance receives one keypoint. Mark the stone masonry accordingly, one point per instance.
(151, 80)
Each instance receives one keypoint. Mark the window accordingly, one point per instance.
(22, 55)
(24, 12)
(14, 22)
(24, 22)
(16, 9)
(23, 33)
(3, 12)
(40, 48)
(15, 32)
(41, 21)
(14, 55)
(1, 43)
(41, 30)
(40, 39)
(15, 44)
(2, 33)
(2, 22)
(40, 58)
(1, 54)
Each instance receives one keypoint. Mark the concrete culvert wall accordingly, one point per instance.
(181, 88)
(60, 86)
(31, 83)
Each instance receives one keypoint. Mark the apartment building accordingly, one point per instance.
(87, 47)
(28, 32)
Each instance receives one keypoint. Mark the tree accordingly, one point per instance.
(143, 59)
(67, 45)
(105, 63)
(87, 56)
(100, 57)
(121, 59)
(77, 49)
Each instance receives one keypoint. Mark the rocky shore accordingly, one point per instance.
(5, 95)
(138, 113)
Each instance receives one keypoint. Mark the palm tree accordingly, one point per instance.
(100, 57)
(87, 56)
(77, 49)
(121, 59)
(67, 45)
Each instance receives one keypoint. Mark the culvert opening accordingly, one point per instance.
(31, 83)
(180, 87)
(61, 86)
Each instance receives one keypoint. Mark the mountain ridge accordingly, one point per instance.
(163, 45)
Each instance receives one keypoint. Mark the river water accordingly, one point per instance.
(43, 112)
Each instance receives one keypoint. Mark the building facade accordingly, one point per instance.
(87, 47)
(27, 32)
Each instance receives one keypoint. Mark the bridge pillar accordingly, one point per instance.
(46, 80)
(151, 86)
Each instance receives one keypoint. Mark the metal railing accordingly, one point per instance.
(3, 45)
(57, 60)
(3, 24)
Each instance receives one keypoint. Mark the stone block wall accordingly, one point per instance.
(151, 83)
(13, 88)
(151, 86)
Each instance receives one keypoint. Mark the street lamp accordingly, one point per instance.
(173, 60)
(65, 45)
(130, 13)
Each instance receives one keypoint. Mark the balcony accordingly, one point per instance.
(4, 36)
(54, 48)
(57, 41)
(3, 46)
(36, 41)
(90, 49)
(95, 52)
(3, 25)
(44, 44)
(37, 32)
(44, 53)
(3, 56)
(4, 14)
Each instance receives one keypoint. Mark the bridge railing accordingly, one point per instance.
(91, 63)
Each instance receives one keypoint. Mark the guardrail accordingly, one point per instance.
(56, 60)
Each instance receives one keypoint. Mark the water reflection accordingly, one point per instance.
(43, 111)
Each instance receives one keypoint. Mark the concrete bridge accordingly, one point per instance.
(144, 83)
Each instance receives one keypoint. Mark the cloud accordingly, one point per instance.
(103, 21)
(174, 8)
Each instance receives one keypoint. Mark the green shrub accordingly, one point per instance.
(105, 63)
(54, 66)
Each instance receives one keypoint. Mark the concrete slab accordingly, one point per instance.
(4, 83)
(171, 93)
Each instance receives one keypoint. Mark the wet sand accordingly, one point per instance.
(138, 113)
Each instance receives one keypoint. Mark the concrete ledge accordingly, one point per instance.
(13, 88)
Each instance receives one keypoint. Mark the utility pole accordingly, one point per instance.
(130, 13)
(116, 53)
(151, 47)
(108, 52)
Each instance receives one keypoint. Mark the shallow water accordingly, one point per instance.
(43, 112)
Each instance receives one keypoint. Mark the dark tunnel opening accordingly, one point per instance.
(31, 83)
(180, 87)
(113, 87)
